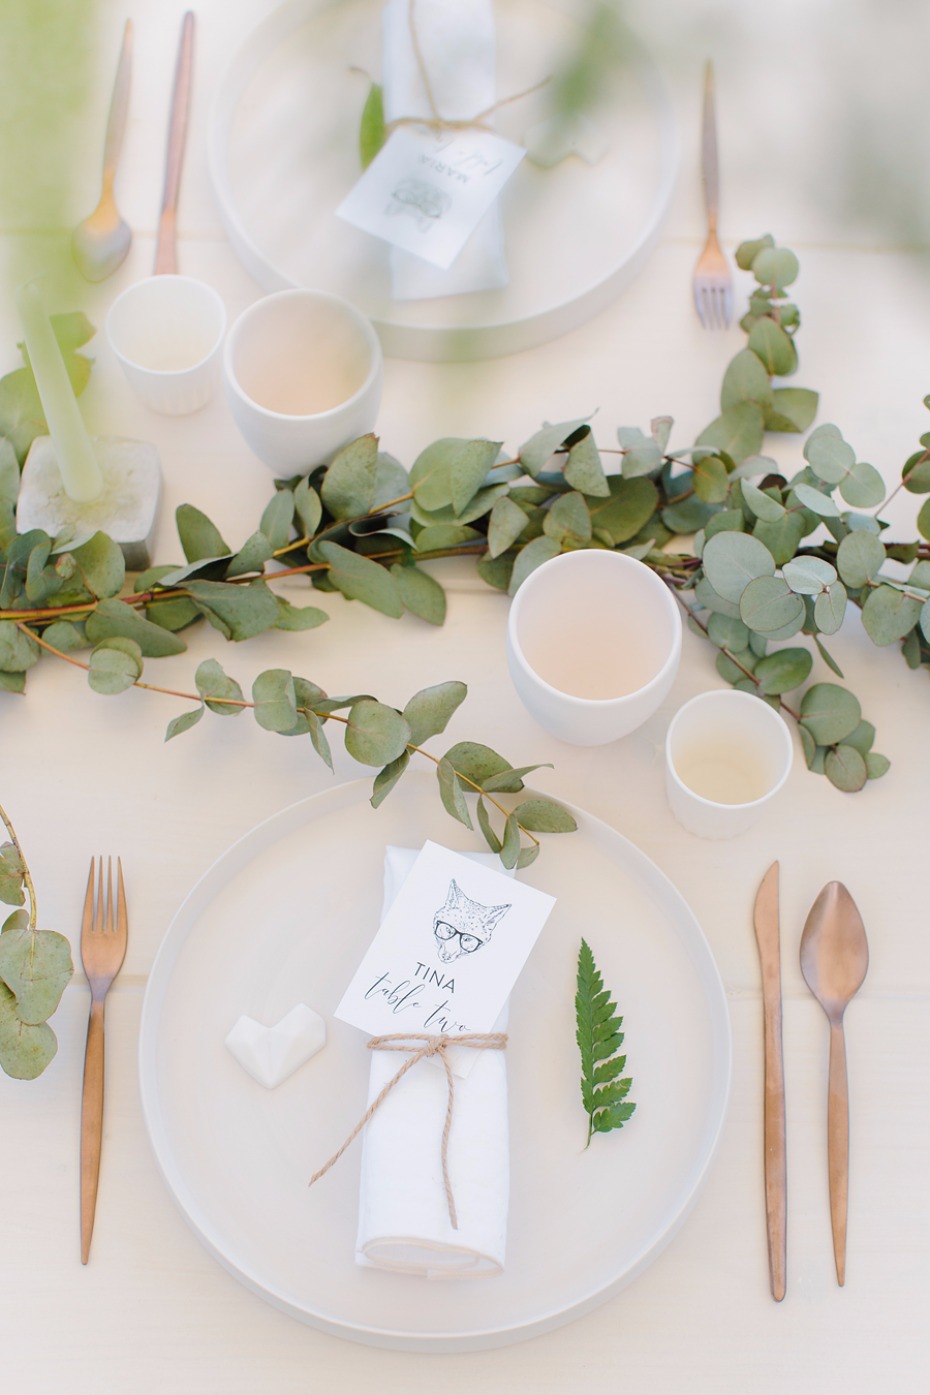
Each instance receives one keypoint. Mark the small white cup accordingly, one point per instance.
(303, 372)
(727, 754)
(166, 332)
(593, 644)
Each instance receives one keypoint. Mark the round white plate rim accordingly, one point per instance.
(283, 821)
(437, 342)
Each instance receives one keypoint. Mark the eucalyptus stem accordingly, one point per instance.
(27, 876)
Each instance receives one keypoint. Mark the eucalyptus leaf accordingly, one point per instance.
(363, 580)
(349, 483)
(829, 456)
(277, 518)
(876, 765)
(864, 487)
(769, 342)
(420, 593)
(429, 711)
(484, 823)
(533, 555)
(308, 507)
(298, 618)
(199, 536)
(275, 701)
(18, 650)
(115, 619)
(100, 565)
(762, 505)
(775, 266)
(769, 606)
(451, 471)
(830, 608)
(791, 409)
(845, 768)
(21, 416)
(476, 763)
(568, 522)
(115, 665)
(386, 779)
(627, 508)
(817, 502)
(535, 453)
(783, 670)
(544, 816)
(238, 610)
(221, 693)
(711, 480)
(808, 576)
(506, 523)
(732, 560)
(25, 1050)
(510, 848)
(830, 713)
(739, 431)
(442, 537)
(583, 469)
(178, 725)
(255, 551)
(451, 793)
(888, 614)
(375, 734)
(860, 557)
(745, 380)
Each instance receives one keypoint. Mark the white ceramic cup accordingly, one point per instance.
(166, 332)
(727, 754)
(303, 372)
(593, 644)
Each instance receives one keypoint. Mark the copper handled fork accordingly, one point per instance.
(103, 948)
(713, 280)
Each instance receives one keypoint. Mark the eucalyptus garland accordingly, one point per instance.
(757, 558)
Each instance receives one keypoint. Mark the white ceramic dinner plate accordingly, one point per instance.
(284, 917)
(283, 149)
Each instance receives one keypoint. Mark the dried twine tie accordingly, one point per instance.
(434, 121)
(432, 1046)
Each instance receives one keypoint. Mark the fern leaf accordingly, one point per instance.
(599, 1037)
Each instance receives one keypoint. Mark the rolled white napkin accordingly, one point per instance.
(404, 1222)
(457, 41)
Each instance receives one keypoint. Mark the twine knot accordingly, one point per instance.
(421, 1045)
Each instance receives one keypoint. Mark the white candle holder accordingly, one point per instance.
(125, 508)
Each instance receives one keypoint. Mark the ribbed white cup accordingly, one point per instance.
(166, 332)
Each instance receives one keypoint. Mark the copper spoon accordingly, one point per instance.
(101, 242)
(834, 962)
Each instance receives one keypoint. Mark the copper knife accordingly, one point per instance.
(765, 919)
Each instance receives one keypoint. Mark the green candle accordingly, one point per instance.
(74, 451)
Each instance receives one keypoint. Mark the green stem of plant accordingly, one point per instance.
(27, 876)
(244, 703)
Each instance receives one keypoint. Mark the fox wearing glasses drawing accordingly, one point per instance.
(462, 926)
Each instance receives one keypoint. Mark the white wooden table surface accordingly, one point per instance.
(824, 143)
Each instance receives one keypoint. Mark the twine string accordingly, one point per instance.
(436, 122)
(431, 1046)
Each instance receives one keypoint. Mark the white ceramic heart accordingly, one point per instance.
(271, 1054)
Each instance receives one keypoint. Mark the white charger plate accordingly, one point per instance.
(283, 151)
(284, 917)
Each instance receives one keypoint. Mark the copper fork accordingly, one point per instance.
(103, 948)
(713, 280)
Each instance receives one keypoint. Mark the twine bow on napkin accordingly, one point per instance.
(431, 1046)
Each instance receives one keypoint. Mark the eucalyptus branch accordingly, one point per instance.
(757, 553)
(23, 869)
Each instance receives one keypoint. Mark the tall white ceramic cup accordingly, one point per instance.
(303, 372)
(727, 754)
(593, 644)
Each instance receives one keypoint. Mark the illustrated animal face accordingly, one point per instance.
(462, 926)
